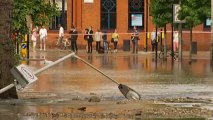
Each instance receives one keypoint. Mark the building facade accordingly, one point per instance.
(122, 15)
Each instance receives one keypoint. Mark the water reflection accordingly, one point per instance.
(74, 60)
(211, 64)
(134, 62)
(73, 75)
(141, 72)
(107, 61)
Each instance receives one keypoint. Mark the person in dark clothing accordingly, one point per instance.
(74, 37)
(135, 38)
(104, 37)
(90, 39)
(86, 37)
(154, 39)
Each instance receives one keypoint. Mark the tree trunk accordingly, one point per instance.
(211, 52)
(164, 42)
(180, 55)
(190, 45)
(7, 51)
(172, 43)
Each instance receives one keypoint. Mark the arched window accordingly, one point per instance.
(136, 14)
(62, 19)
(108, 14)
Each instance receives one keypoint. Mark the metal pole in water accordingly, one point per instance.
(7, 88)
(53, 63)
(128, 92)
(40, 70)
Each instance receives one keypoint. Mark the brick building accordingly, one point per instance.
(121, 15)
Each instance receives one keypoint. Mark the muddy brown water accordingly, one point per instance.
(73, 79)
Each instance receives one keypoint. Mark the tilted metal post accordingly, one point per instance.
(40, 70)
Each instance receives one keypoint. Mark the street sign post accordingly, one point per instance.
(23, 75)
(176, 9)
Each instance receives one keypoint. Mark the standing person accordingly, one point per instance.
(135, 38)
(74, 37)
(98, 38)
(115, 37)
(86, 37)
(104, 37)
(175, 41)
(34, 38)
(43, 37)
(154, 41)
(60, 36)
(90, 39)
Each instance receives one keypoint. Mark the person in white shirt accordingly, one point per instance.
(175, 41)
(60, 36)
(98, 37)
(154, 39)
(43, 37)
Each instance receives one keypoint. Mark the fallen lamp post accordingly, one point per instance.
(23, 77)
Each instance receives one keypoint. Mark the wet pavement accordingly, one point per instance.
(141, 72)
(72, 79)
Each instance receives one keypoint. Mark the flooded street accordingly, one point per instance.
(178, 84)
(141, 72)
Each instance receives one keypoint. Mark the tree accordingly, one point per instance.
(161, 12)
(7, 59)
(194, 12)
(13, 14)
(39, 12)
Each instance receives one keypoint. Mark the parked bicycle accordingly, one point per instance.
(168, 54)
(64, 43)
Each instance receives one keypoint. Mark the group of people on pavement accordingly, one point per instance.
(100, 38)
(63, 42)
(42, 34)
(155, 39)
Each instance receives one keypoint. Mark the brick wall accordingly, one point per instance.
(88, 14)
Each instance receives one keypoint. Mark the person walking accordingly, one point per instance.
(43, 37)
(60, 36)
(74, 37)
(115, 37)
(34, 38)
(90, 39)
(135, 38)
(98, 37)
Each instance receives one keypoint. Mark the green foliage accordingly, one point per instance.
(41, 12)
(194, 12)
(161, 11)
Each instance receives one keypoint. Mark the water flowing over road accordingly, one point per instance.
(154, 80)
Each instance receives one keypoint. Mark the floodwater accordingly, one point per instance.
(140, 72)
(153, 79)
